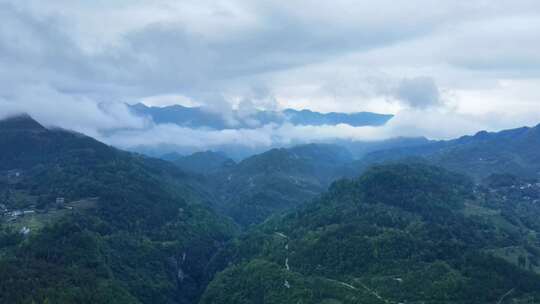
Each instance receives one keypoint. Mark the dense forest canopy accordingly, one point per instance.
(129, 229)
(404, 233)
(83, 222)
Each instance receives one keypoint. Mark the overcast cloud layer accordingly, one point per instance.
(445, 68)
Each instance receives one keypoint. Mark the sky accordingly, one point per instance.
(445, 68)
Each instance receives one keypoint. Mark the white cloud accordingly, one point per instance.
(169, 100)
(53, 108)
(432, 123)
(446, 67)
(419, 92)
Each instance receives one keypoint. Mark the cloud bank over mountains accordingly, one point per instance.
(444, 69)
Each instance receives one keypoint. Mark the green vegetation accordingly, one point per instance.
(146, 238)
(82, 222)
(398, 234)
(276, 181)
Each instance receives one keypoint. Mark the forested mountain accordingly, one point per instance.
(406, 233)
(205, 162)
(238, 152)
(515, 151)
(82, 222)
(279, 179)
(269, 152)
(196, 117)
(276, 180)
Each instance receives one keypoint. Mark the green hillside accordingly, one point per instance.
(82, 222)
(398, 234)
(98, 225)
(276, 181)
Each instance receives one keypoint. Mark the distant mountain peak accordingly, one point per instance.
(197, 117)
(20, 122)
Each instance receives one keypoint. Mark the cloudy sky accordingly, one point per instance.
(445, 68)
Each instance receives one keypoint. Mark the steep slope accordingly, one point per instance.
(277, 180)
(82, 222)
(398, 234)
(22, 123)
(515, 151)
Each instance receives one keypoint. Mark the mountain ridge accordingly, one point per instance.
(199, 117)
(515, 151)
(276, 180)
(20, 122)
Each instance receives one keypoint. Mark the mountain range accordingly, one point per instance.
(513, 151)
(253, 188)
(400, 221)
(199, 117)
